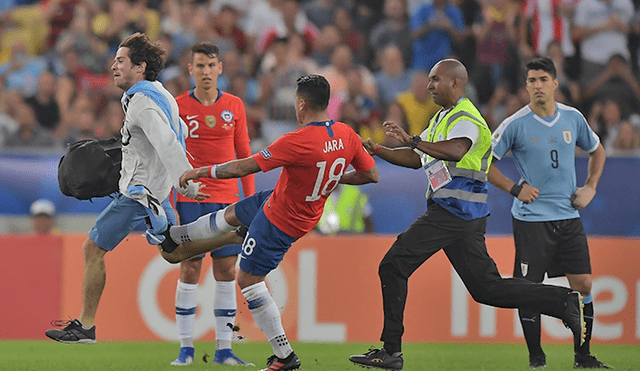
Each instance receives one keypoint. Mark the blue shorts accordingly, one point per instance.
(265, 244)
(190, 211)
(119, 218)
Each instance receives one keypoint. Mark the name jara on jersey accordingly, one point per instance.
(333, 145)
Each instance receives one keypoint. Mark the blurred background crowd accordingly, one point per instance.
(56, 55)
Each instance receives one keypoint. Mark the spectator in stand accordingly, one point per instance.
(260, 18)
(290, 21)
(8, 122)
(602, 28)
(495, 32)
(43, 216)
(109, 121)
(59, 15)
(320, 12)
(226, 25)
(44, 103)
(393, 78)
(435, 29)
(277, 83)
(81, 122)
(569, 91)
(393, 30)
(336, 73)
(546, 21)
(417, 104)
(23, 24)
(30, 135)
(123, 18)
(360, 109)
(22, 71)
(90, 49)
(618, 135)
(325, 44)
(616, 82)
(351, 36)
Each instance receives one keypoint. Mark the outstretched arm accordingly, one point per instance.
(355, 178)
(228, 170)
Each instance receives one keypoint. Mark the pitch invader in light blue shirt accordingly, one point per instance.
(548, 233)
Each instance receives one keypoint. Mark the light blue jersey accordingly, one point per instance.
(544, 152)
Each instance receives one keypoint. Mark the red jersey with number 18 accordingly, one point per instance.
(313, 160)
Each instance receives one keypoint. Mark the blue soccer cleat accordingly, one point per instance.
(185, 357)
(226, 357)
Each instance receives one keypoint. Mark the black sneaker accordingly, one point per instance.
(168, 245)
(588, 361)
(537, 362)
(241, 231)
(378, 358)
(574, 318)
(292, 362)
(73, 333)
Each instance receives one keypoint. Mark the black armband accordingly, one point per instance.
(515, 190)
(416, 140)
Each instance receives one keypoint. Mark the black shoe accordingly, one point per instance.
(537, 362)
(168, 245)
(574, 318)
(378, 358)
(588, 361)
(241, 231)
(292, 362)
(73, 333)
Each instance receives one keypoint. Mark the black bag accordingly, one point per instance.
(90, 168)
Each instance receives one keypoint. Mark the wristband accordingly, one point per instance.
(212, 171)
(515, 190)
(416, 140)
(376, 151)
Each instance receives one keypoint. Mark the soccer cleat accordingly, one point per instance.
(226, 357)
(588, 361)
(537, 362)
(73, 333)
(378, 358)
(168, 245)
(292, 362)
(574, 318)
(241, 231)
(185, 357)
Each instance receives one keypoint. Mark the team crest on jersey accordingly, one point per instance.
(566, 135)
(524, 268)
(265, 153)
(227, 116)
(210, 121)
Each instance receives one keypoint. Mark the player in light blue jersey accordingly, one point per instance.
(547, 229)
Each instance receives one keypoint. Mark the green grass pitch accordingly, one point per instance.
(51, 356)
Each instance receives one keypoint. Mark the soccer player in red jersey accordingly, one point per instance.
(217, 133)
(314, 159)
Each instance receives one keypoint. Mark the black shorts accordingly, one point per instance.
(557, 248)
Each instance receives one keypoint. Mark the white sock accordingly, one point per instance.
(186, 304)
(224, 311)
(267, 316)
(205, 227)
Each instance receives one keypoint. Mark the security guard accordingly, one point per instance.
(455, 153)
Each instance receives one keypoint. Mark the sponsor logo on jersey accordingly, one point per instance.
(210, 121)
(566, 135)
(191, 117)
(553, 139)
(265, 153)
(227, 116)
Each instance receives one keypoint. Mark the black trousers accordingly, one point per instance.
(464, 244)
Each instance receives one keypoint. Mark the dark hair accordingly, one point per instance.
(541, 64)
(207, 49)
(315, 90)
(141, 49)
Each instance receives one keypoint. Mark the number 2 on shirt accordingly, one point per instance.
(332, 181)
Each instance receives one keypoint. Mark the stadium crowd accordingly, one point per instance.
(56, 56)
